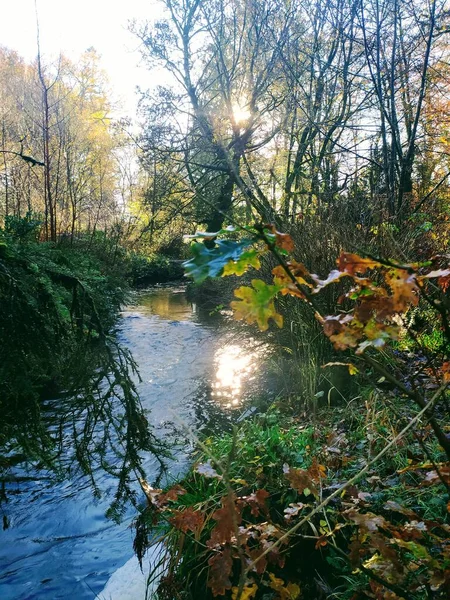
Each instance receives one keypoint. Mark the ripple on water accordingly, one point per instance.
(60, 545)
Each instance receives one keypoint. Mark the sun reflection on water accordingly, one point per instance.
(234, 366)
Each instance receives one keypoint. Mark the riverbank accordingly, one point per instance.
(59, 303)
(304, 508)
(192, 367)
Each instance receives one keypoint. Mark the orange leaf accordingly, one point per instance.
(300, 480)
(404, 289)
(353, 264)
(171, 495)
(187, 519)
(282, 240)
(228, 518)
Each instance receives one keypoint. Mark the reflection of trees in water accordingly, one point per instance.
(210, 416)
(97, 426)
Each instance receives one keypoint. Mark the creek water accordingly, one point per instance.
(196, 372)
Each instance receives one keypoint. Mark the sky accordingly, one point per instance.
(72, 26)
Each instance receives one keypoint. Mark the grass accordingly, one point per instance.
(257, 455)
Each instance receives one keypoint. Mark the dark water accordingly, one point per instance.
(196, 371)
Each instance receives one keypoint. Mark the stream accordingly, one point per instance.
(196, 373)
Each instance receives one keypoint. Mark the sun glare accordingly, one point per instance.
(241, 113)
(234, 366)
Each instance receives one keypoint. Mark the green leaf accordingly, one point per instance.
(257, 305)
(209, 235)
(209, 262)
(247, 260)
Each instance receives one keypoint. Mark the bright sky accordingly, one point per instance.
(72, 26)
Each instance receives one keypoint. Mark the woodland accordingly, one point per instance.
(294, 164)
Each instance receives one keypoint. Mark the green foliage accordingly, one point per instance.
(59, 304)
(210, 262)
(155, 268)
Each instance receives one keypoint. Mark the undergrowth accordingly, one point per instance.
(59, 304)
(238, 507)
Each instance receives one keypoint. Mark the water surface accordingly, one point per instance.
(196, 371)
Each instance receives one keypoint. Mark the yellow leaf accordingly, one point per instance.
(257, 305)
(289, 592)
(248, 592)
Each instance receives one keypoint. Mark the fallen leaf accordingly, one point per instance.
(220, 565)
(228, 518)
(248, 592)
(187, 520)
(301, 481)
(207, 470)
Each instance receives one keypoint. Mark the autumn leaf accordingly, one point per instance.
(282, 278)
(398, 508)
(171, 495)
(437, 274)
(321, 541)
(289, 592)
(368, 522)
(298, 270)
(354, 264)
(300, 480)
(257, 305)
(332, 278)
(247, 260)
(220, 565)
(405, 291)
(257, 502)
(248, 592)
(259, 562)
(228, 518)
(445, 370)
(316, 471)
(187, 519)
(283, 241)
(207, 470)
(384, 568)
(444, 283)
(293, 509)
(150, 492)
(157, 498)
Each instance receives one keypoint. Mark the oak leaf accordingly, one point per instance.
(247, 260)
(289, 592)
(282, 240)
(207, 470)
(220, 565)
(333, 276)
(282, 278)
(405, 291)
(367, 522)
(248, 592)
(257, 502)
(187, 519)
(228, 518)
(301, 481)
(171, 495)
(354, 264)
(257, 305)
